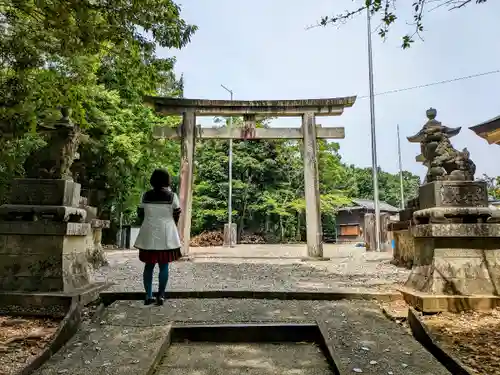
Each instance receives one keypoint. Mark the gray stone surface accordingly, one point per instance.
(243, 371)
(49, 263)
(34, 213)
(486, 232)
(230, 235)
(444, 215)
(129, 337)
(100, 350)
(456, 266)
(272, 359)
(351, 326)
(362, 338)
(263, 267)
(213, 311)
(52, 192)
(43, 228)
(453, 194)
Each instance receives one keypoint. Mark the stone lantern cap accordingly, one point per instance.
(435, 125)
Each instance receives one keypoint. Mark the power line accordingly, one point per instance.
(433, 84)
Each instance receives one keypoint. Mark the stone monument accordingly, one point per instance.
(43, 231)
(456, 236)
(95, 251)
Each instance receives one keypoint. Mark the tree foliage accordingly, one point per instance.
(98, 57)
(493, 184)
(268, 187)
(388, 13)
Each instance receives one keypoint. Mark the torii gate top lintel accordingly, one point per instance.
(202, 107)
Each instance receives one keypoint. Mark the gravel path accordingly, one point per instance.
(258, 267)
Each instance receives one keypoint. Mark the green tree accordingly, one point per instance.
(51, 51)
(493, 184)
(387, 11)
(268, 187)
(360, 185)
(98, 58)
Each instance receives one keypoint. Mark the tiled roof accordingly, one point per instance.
(369, 205)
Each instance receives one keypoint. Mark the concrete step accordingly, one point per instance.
(263, 359)
(109, 350)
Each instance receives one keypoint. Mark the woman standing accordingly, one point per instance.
(158, 239)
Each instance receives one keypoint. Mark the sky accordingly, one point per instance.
(261, 50)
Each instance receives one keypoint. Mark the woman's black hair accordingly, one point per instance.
(160, 179)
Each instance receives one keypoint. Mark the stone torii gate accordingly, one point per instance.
(251, 111)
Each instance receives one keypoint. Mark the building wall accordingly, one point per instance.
(355, 217)
(350, 217)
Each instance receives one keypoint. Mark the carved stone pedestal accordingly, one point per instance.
(95, 251)
(456, 236)
(43, 238)
(456, 259)
(44, 235)
(456, 240)
(43, 256)
(404, 249)
(453, 194)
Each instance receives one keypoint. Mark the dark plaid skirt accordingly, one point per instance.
(159, 256)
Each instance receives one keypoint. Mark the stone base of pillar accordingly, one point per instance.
(230, 235)
(44, 238)
(44, 256)
(404, 249)
(95, 251)
(456, 259)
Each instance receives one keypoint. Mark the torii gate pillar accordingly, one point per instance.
(188, 138)
(314, 228)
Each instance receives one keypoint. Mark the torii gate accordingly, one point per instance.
(251, 111)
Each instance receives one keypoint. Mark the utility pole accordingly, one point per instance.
(230, 176)
(373, 135)
(402, 191)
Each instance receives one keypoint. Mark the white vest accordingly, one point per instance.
(158, 230)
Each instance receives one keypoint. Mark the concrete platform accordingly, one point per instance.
(54, 304)
(110, 350)
(213, 311)
(129, 338)
(262, 359)
(434, 303)
(361, 338)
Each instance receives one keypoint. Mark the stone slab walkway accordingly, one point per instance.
(263, 267)
(364, 341)
(109, 350)
(250, 359)
(211, 311)
(129, 338)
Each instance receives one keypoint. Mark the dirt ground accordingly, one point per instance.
(22, 339)
(471, 337)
